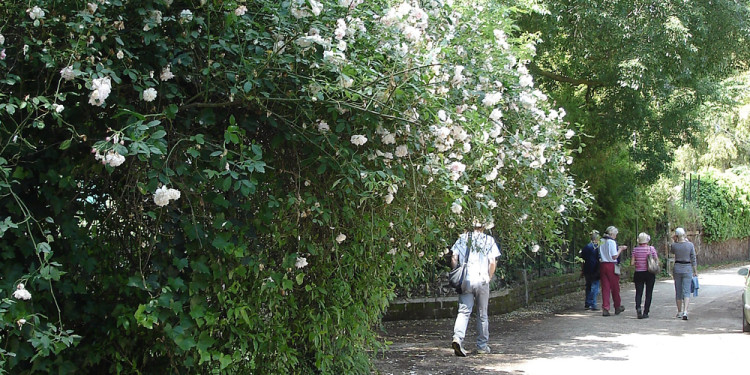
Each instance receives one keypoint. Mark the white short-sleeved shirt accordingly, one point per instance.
(483, 250)
(608, 250)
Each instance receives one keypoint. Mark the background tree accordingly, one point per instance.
(633, 76)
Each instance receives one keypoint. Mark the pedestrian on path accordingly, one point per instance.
(590, 270)
(609, 253)
(481, 263)
(685, 268)
(642, 277)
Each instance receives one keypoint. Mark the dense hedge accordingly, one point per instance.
(236, 187)
(724, 202)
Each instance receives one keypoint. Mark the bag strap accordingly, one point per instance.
(468, 243)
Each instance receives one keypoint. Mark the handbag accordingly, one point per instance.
(653, 263)
(617, 269)
(457, 275)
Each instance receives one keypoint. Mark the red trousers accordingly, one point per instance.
(610, 283)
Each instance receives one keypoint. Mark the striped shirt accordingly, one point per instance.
(640, 256)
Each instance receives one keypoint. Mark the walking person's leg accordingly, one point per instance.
(687, 279)
(678, 293)
(650, 282)
(615, 285)
(640, 282)
(595, 293)
(606, 270)
(465, 305)
(589, 282)
(482, 296)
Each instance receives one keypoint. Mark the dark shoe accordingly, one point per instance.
(639, 313)
(605, 312)
(619, 309)
(645, 316)
(458, 349)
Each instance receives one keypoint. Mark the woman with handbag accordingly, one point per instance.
(685, 268)
(642, 276)
(609, 273)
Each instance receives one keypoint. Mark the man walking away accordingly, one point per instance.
(481, 264)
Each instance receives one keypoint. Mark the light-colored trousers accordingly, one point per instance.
(478, 294)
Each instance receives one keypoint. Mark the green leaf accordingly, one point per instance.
(159, 134)
(43, 247)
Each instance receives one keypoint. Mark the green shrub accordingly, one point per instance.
(236, 187)
(724, 202)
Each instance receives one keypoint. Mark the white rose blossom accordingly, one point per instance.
(240, 11)
(323, 127)
(186, 15)
(491, 99)
(149, 94)
(101, 87)
(21, 293)
(402, 151)
(163, 195)
(456, 208)
(301, 262)
(111, 158)
(542, 192)
(67, 73)
(358, 139)
(166, 73)
(389, 138)
(341, 238)
(35, 13)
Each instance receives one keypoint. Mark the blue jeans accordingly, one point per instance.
(478, 294)
(592, 290)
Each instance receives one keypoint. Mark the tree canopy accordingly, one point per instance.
(633, 76)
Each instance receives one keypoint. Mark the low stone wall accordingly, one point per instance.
(501, 301)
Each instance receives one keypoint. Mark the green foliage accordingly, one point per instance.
(724, 201)
(221, 187)
(634, 77)
(724, 140)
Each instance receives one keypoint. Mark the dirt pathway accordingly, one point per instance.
(559, 337)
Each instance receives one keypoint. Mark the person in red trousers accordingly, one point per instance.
(609, 253)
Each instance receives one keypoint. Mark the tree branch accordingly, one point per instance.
(560, 78)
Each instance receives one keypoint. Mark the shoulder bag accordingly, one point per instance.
(653, 263)
(457, 275)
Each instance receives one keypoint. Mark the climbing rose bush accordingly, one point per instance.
(237, 187)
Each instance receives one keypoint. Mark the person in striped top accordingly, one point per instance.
(642, 277)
